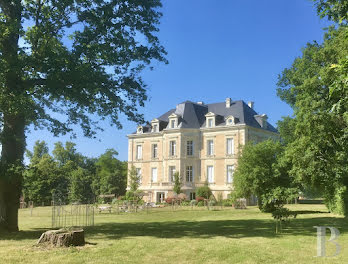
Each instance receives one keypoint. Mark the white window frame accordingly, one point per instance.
(154, 176)
(189, 148)
(210, 177)
(230, 146)
(229, 173)
(172, 148)
(210, 122)
(172, 123)
(154, 153)
(189, 173)
(139, 152)
(210, 147)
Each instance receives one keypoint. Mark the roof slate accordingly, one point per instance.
(192, 115)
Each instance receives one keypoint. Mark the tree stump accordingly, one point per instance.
(63, 238)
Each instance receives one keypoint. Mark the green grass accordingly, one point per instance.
(183, 236)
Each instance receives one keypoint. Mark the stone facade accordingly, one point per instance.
(205, 153)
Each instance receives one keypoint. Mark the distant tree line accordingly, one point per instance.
(70, 176)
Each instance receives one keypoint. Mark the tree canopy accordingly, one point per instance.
(66, 63)
(316, 86)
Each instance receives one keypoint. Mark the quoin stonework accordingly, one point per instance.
(200, 141)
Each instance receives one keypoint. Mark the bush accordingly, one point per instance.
(193, 202)
(199, 198)
(212, 202)
(227, 202)
(200, 203)
(185, 203)
(170, 200)
(204, 191)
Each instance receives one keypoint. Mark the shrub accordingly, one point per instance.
(193, 202)
(200, 203)
(185, 203)
(170, 200)
(199, 198)
(204, 191)
(227, 202)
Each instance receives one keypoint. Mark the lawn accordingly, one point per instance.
(183, 236)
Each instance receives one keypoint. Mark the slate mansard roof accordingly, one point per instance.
(192, 115)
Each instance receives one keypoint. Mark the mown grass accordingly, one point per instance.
(182, 236)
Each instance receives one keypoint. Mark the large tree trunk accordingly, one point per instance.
(12, 137)
(13, 146)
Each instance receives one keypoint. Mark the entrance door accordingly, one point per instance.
(160, 197)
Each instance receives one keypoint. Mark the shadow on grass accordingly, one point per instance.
(209, 229)
(236, 228)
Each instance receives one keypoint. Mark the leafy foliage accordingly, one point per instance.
(204, 191)
(261, 170)
(74, 177)
(66, 63)
(336, 10)
(177, 183)
(316, 87)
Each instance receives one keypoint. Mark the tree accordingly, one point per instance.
(44, 176)
(111, 174)
(260, 170)
(80, 186)
(336, 10)
(75, 58)
(204, 191)
(177, 183)
(316, 87)
(133, 180)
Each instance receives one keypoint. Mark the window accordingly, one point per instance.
(154, 175)
(139, 153)
(189, 148)
(210, 174)
(210, 122)
(189, 174)
(192, 195)
(210, 147)
(171, 173)
(139, 174)
(172, 124)
(172, 148)
(154, 151)
(229, 146)
(230, 169)
(154, 128)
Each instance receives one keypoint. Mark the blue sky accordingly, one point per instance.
(216, 49)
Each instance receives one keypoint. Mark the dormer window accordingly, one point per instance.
(139, 130)
(173, 121)
(155, 126)
(230, 120)
(210, 119)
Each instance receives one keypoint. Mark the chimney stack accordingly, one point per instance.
(251, 104)
(200, 103)
(228, 102)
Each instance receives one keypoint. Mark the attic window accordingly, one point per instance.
(172, 123)
(140, 130)
(210, 119)
(155, 125)
(230, 120)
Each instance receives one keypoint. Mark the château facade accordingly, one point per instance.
(200, 141)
